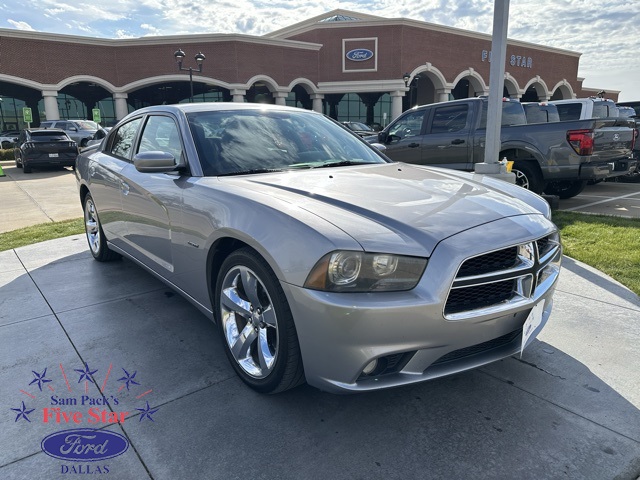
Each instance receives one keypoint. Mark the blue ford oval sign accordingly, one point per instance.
(359, 55)
(84, 445)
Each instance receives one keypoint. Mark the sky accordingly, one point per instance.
(605, 32)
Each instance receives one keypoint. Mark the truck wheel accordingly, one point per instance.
(528, 176)
(565, 189)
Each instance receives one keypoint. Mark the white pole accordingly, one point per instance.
(496, 86)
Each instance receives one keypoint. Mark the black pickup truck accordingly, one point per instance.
(557, 158)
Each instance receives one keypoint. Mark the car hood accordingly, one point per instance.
(395, 207)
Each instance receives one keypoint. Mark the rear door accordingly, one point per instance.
(446, 141)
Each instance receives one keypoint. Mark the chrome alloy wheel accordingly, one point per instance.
(521, 179)
(92, 226)
(249, 321)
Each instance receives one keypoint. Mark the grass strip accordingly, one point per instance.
(609, 244)
(40, 233)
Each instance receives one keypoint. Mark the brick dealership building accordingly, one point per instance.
(348, 65)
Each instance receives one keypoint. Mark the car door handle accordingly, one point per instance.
(124, 187)
(413, 145)
(457, 141)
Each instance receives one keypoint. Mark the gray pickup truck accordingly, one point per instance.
(557, 158)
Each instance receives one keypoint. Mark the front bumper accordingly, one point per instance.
(340, 334)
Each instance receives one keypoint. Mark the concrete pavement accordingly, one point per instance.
(42, 196)
(569, 408)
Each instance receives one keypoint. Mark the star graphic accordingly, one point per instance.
(40, 378)
(22, 413)
(146, 412)
(128, 378)
(84, 373)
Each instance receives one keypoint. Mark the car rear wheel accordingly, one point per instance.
(256, 324)
(18, 162)
(95, 236)
(528, 176)
(567, 189)
(25, 167)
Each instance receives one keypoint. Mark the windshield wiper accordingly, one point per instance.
(251, 171)
(329, 163)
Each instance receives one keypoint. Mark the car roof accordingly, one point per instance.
(48, 130)
(218, 106)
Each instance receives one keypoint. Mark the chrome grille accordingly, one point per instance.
(479, 296)
(544, 245)
(490, 262)
(498, 280)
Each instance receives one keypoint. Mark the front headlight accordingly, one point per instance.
(349, 271)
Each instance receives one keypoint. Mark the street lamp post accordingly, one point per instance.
(199, 57)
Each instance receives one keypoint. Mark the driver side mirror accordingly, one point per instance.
(154, 162)
(382, 137)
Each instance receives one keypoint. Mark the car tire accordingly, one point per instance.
(528, 176)
(18, 163)
(95, 236)
(565, 189)
(25, 168)
(256, 324)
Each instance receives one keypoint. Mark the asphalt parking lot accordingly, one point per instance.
(569, 408)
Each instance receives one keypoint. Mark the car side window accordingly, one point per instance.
(449, 119)
(124, 138)
(408, 126)
(63, 125)
(160, 133)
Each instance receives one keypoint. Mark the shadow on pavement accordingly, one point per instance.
(545, 416)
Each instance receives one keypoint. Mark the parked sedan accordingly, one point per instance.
(44, 148)
(317, 257)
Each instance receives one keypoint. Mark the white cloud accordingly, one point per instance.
(21, 25)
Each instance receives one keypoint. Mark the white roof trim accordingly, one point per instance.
(370, 21)
(177, 40)
(317, 20)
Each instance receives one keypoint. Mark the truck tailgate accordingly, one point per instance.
(613, 139)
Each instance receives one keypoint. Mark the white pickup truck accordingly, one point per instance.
(583, 108)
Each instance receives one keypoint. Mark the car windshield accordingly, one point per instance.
(49, 136)
(260, 141)
(359, 126)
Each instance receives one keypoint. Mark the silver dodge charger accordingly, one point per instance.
(317, 257)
